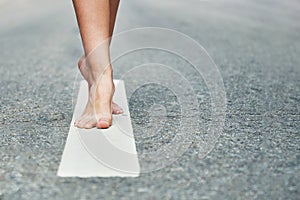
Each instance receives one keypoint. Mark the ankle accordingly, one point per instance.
(108, 70)
(104, 73)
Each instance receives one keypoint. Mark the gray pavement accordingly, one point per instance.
(255, 44)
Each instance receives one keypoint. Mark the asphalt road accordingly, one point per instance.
(256, 46)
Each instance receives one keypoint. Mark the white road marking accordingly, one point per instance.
(101, 153)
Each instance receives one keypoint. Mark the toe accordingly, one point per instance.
(77, 122)
(116, 109)
(85, 123)
(90, 124)
(80, 123)
(104, 122)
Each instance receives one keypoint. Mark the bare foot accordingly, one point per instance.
(116, 109)
(99, 108)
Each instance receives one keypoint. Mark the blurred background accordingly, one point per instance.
(254, 43)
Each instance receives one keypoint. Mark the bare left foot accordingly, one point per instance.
(99, 108)
(116, 109)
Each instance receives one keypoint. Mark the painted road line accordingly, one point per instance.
(101, 152)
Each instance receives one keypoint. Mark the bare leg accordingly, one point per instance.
(113, 8)
(93, 18)
(113, 5)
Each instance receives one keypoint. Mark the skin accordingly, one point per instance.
(96, 21)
